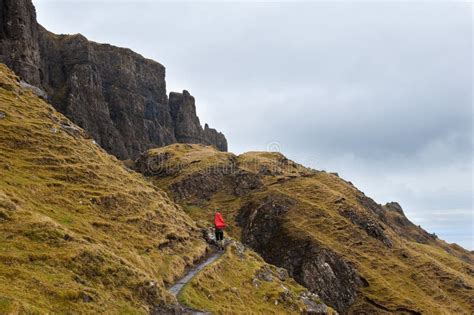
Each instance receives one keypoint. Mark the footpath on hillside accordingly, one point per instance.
(176, 288)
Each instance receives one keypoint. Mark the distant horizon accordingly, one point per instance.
(380, 93)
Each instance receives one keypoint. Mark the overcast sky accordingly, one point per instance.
(379, 92)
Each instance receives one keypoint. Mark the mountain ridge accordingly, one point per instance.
(115, 94)
(359, 256)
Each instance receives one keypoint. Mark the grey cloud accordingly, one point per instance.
(379, 92)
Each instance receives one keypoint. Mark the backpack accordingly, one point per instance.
(219, 221)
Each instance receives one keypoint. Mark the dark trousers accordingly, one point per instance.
(219, 234)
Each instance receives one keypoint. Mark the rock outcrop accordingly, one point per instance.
(318, 268)
(19, 44)
(204, 185)
(186, 123)
(399, 222)
(115, 94)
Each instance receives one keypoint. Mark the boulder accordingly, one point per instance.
(371, 227)
(264, 274)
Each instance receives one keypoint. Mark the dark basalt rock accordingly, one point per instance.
(245, 182)
(116, 95)
(203, 185)
(404, 227)
(19, 45)
(198, 185)
(374, 229)
(370, 204)
(394, 206)
(186, 124)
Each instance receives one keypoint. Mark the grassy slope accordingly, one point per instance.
(412, 275)
(228, 287)
(81, 233)
(78, 231)
(423, 277)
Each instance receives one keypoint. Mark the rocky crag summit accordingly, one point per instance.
(115, 94)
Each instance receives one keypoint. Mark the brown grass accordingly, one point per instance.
(79, 231)
(433, 278)
(231, 286)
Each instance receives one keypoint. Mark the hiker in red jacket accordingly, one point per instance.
(219, 226)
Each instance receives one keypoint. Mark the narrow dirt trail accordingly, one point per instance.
(176, 288)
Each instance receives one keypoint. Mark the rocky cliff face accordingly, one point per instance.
(320, 269)
(116, 95)
(19, 46)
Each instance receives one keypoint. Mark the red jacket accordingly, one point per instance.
(219, 221)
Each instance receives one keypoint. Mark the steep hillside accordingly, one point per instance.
(78, 230)
(116, 95)
(242, 283)
(359, 256)
(81, 233)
